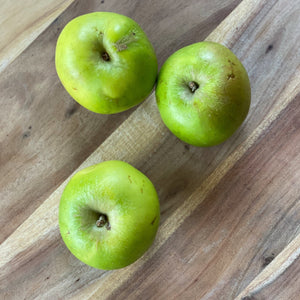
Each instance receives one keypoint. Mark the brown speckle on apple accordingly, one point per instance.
(153, 220)
(230, 76)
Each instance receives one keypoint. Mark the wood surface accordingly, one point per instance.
(21, 24)
(281, 273)
(45, 135)
(226, 212)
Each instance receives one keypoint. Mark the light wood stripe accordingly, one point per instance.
(22, 27)
(276, 268)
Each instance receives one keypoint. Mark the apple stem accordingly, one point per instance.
(105, 56)
(101, 221)
(193, 86)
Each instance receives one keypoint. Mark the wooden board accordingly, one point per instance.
(44, 134)
(226, 211)
(22, 25)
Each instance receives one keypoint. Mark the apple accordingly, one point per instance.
(109, 215)
(203, 93)
(105, 62)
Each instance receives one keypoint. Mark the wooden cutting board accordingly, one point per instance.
(230, 214)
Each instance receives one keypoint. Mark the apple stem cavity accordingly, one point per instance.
(101, 221)
(105, 56)
(193, 86)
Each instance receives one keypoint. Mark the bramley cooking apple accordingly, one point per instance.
(109, 215)
(203, 93)
(105, 62)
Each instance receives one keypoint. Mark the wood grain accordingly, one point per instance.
(22, 25)
(44, 134)
(282, 272)
(226, 210)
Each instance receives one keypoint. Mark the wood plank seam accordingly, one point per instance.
(274, 270)
(8, 53)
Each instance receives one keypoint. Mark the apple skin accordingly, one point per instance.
(213, 112)
(130, 202)
(102, 86)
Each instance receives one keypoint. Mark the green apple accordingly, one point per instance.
(203, 93)
(109, 215)
(105, 62)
